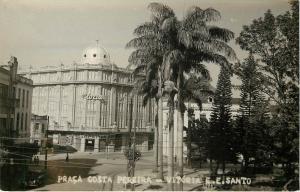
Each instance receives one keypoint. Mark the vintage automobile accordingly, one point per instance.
(35, 179)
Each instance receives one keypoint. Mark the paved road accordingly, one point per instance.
(114, 165)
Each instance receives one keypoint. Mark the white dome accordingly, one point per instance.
(95, 55)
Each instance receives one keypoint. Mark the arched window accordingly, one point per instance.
(210, 99)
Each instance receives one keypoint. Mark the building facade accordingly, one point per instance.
(207, 108)
(18, 104)
(88, 104)
(38, 128)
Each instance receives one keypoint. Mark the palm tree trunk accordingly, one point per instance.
(189, 139)
(180, 128)
(160, 129)
(171, 143)
(155, 169)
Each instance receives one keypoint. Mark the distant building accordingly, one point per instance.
(39, 126)
(88, 103)
(204, 113)
(18, 104)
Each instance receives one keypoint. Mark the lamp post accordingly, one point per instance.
(46, 143)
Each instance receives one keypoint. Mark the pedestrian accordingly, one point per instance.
(67, 158)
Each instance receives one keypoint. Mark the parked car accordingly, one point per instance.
(35, 178)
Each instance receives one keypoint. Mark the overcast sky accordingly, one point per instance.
(48, 32)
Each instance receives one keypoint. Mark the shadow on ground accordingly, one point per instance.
(74, 167)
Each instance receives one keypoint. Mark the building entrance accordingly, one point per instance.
(89, 144)
(102, 144)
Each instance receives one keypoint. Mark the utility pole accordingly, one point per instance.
(134, 142)
(46, 147)
(130, 120)
(171, 143)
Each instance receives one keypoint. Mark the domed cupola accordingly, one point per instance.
(95, 55)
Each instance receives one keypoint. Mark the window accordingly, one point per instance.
(14, 92)
(23, 97)
(22, 118)
(26, 116)
(210, 100)
(104, 56)
(43, 128)
(84, 55)
(27, 96)
(36, 126)
(94, 55)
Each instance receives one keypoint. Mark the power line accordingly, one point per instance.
(54, 161)
(49, 165)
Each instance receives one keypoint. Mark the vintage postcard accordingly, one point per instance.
(140, 95)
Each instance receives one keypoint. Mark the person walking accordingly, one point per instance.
(67, 157)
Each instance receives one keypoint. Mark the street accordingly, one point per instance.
(114, 165)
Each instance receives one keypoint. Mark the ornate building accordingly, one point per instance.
(17, 104)
(88, 103)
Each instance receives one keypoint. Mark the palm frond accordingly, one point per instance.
(220, 33)
(161, 11)
(196, 13)
(147, 28)
(169, 24)
(212, 57)
(188, 38)
(213, 45)
(144, 41)
(139, 69)
(224, 48)
(212, 14)
(201, 68)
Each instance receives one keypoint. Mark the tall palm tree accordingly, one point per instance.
(151, 45)
(170, 45)
(194, 42)
(147, 86)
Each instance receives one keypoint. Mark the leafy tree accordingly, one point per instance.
(251, 126)
(196, 88)
(200, 136)
(220, 131)
(197, 134)
(274, 41)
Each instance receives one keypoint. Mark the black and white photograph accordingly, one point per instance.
(149, 95)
